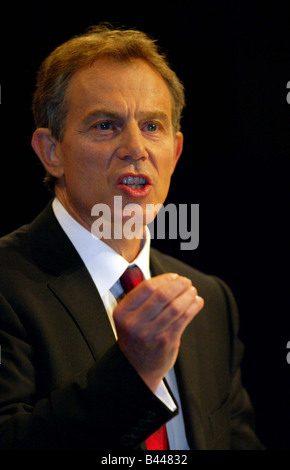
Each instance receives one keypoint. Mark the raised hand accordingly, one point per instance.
(150, 321)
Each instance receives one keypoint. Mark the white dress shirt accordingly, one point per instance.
(96, 253)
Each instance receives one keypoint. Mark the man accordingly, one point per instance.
(83, 365)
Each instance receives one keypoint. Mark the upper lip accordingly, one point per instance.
(135, 175)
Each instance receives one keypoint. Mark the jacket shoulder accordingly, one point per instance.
(167, 263)
(13, 243)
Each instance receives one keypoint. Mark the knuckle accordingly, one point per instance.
(132, 330)
(120, 309)
(163, 340)
(148, 286)
(188, 315)
(161, 296)
(143, 336)
(173, 311)
(120, 315)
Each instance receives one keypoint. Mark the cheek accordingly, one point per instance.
(165, 171)
(83, 163)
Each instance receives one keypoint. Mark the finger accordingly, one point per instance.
(176, 308)
(160, 299)
(177, 328)
(156, 292)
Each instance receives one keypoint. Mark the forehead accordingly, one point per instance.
(133, 84)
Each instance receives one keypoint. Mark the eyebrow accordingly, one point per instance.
(108, 113)
(98, 113)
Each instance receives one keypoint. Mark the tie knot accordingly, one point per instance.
(131, 278)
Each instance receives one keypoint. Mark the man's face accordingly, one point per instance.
(118, 129)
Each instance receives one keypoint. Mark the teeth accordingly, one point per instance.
(135, 182)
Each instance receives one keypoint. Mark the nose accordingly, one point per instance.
(132, 143)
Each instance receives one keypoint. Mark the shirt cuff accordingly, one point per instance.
(162, 393)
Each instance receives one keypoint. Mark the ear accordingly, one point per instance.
(178, 146)
(45, 147)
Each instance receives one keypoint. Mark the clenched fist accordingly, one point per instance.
(150, 321)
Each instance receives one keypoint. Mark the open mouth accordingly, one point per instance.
(134, 182)
(135, 186)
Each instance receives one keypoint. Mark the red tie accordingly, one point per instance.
(130, 279)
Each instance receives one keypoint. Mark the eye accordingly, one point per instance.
(151, 127)
(104, 126)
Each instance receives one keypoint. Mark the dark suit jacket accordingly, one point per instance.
(64, 383)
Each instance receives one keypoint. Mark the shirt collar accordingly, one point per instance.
(104, 264)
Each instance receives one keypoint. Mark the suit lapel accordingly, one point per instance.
(77, 292)
(186, 369)
(70, 281)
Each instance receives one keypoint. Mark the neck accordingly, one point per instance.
(127, 248)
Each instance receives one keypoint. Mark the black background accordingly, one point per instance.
(234, 60)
